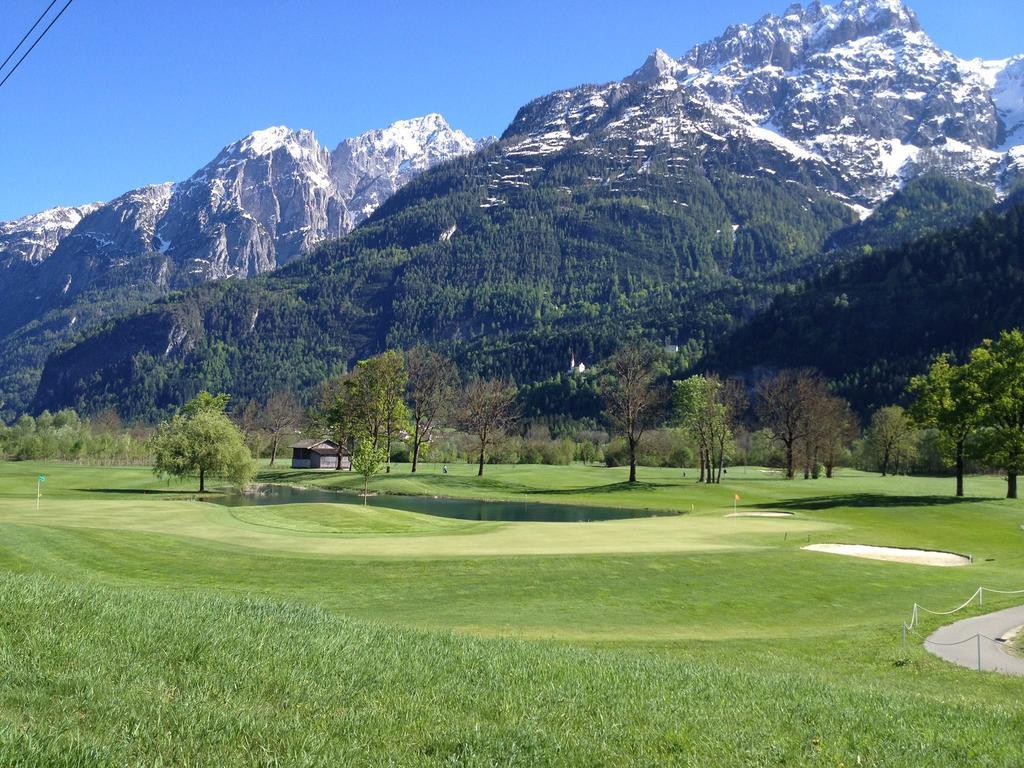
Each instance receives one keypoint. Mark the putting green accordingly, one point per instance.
(347, 530)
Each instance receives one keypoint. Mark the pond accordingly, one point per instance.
(461, 509)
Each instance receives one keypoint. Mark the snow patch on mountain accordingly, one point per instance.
(855, 92)
(262, 201)
(33, 238)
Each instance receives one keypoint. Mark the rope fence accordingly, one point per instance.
(979, 595)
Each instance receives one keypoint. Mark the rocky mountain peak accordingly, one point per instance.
(370, 167)
(659, 65)
(786, 41)
(297, 143)
(262, 201)
(854, 93)
(32, 238)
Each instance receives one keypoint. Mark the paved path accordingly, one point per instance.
(963, 646)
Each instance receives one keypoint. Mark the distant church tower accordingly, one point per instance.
(574, 367)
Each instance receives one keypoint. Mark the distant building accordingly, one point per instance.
(672, 349)
(574, 367)
(319, 454)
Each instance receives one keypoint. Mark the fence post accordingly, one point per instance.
(981, 596)
(978, 636)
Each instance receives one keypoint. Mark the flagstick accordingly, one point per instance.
(39, 492)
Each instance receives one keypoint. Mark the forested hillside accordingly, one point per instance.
(873, 322)
(571, 260)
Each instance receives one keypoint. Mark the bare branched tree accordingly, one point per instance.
(487, 410)
(280, 418)
(781, 403)
(634, 399)
(433, 380)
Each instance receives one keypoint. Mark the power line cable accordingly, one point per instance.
(31, 47)
(30, 31)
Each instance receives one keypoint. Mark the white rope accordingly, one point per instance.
(960, 607)
(979, 593)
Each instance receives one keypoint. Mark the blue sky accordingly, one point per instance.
(122, 94)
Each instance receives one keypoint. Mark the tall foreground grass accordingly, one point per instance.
(98, 676)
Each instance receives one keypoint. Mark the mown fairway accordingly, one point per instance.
(143, 626)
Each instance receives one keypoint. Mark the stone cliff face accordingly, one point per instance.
(33, 238)
(261, 202)
(856, 95)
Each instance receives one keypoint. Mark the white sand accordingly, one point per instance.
(760, 514)
(894, 554)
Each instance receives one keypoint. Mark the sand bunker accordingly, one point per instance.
(760, 514)
(894, 554)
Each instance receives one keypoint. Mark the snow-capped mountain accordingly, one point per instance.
(261, 202)
(856, 96)
(368, 169)
(33, 238)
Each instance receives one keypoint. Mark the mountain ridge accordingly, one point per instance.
(675, 203)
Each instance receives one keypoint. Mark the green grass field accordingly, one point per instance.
(143, 627)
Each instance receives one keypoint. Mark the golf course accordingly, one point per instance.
(144, 624)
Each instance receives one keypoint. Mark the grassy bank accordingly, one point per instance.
(677, 639)
(135, 678)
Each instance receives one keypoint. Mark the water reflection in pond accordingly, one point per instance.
(461, 509)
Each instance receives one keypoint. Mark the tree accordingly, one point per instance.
(331, 417)
(488, 408)
(368, 461)
(372, 400)
(247, 419)
(201, 441)
(707, 408)
(206, 402)
(828, 425)
(891, 438)
(633, 398)
(998, 370)
(948, 399)
(281, 416)
(433, 379)
(690, 399)
(838, 428)
(781, 403)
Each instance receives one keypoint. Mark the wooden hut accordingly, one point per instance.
(319, 454)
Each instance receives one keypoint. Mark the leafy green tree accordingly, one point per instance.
(948, 398)
(206, 402)
(998, 368)
(332, 416)
(891, 438)
(707, 408)
(368, 461)
(372, 400)
(202, 442)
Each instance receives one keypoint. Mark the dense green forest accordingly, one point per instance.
(584, 256)
(874, 322)
(506, 266)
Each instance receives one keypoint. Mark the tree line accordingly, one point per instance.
(408, 406)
